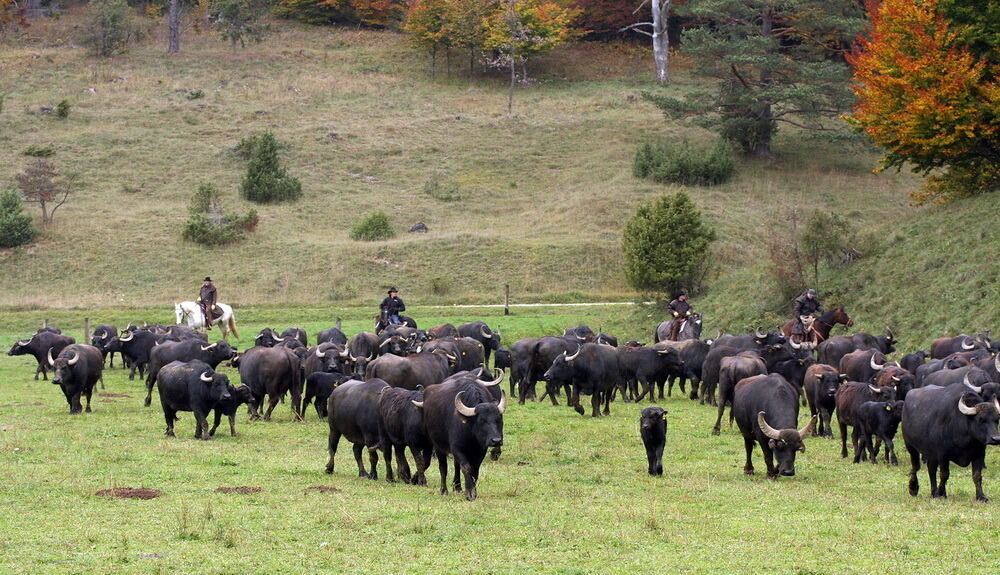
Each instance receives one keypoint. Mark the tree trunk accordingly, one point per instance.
(233, 40)
(512, 23)
(472, 61)
(174, 27)
(434, 56)
(661, 40)
(764, 115)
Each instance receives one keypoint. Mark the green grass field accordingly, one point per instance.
(570, 494)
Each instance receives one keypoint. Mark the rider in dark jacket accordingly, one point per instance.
(806, 304)
(393, 305)
(680, 309)
(207, 298)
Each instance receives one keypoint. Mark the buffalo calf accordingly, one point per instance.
(653, 429)
(879, 419)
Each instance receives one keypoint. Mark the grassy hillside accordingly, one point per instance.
(543, 195)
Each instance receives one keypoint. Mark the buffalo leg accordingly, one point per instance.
(863, 443)
(232, 425)
(932, 469)
(945, 473)
(169, 415)
(297, 404)
(442, 458)
(855, 440)
(718, 421)
(826, 419)
(576, 401)
(358, 449)
(914, 468)
(595, 404)
(402, 465)
(201, 426)
(890, 452)
(422, 459)
(843, 437)
(88, 393)
(332, 447)
(456, 480)
(471, 474)
(373, 460)
(977, 478)
(748, 444)
(772, 471)
(215, 425)
(272, 402)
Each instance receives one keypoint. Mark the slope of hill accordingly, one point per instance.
(543, 196)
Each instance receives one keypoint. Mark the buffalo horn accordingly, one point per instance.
(874, 365)
(320, 353)
(996, 362)
(346, 353)
(807, 429)
(205, 377)
(127, 337)
(258, 336)
(572, 357)
(888, 333)
(75, 358)
(965, 380)
(371, 356)
(23, 341)
(418, 404)
(461, 408)
(758, 334)
(873, 388)
(104, 334)
(664, 351)
(51, 361)
(482, 332)
(819, 376)
(996, 405)
(354, 359)
(894, 378)
(967, 345)
(794, 345)
(495, 381)
(502, 406)
(767, 429)
(966, 410)
(451, 357)
(385, 342)
(208, 347)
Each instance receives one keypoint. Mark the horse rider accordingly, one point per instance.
(807, 306)
(392, 306)
(681, 310)
(207, 300)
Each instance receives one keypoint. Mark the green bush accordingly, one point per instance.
(375, 226)
(62, 109)
(38, 151)
(442, 188)
(109, 28)
(205, 200)
(681, 163)
(266, 181)
(195, 94)
(204, 230)
(15, 225)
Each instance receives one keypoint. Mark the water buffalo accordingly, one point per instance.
(100, 337)
(693, 353)
(76, 369)
(849, 398)
(820, 386)
(649, 367)
(298, 333)
(353, 413)
(442, 331)
(594, 371)
(911, 361)
(135, 347)
(401, 425)
(319, 386)
(653, 430)
(189, 350)
(862, 364)
(190, 386)
(767, 411)
(482, 333)
(735, 368)
(879, 419)
(412, 372)
(331, 335)
(271, 372)
(237, 396)
(39, 346)
(945, 346)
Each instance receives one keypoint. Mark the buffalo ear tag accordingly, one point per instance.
(888, 408)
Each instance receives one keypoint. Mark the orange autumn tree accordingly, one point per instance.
(927, 100)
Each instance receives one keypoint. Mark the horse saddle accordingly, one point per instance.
(215, 313)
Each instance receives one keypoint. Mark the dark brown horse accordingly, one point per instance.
(821, 327)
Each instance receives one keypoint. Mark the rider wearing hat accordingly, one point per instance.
(680, 309)
(393, 305)
(806, 305)
(207, 300)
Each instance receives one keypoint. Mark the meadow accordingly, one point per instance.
(569, 495)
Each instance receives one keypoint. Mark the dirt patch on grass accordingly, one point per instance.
(107, 401)
(240, 489)
(130, 493)
(322, 489)
(113, 395)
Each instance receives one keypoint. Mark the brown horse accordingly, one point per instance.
(821, 327)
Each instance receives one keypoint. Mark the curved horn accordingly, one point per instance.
(664, 351)
(564, 332)
(371, 356)
(205, 377)
(794, 345)
(996, 362)
(580, 337)
(874, 389)
(319, 352)
(967, 345)
(385, 342)
(259, 335)
(807, 429)
(819, 376)
(346, 353)
(482, 332)
(965, 381)
(502, 406)
(104, 334)
(996, 404)
(495, 381)
(758, 334)
(23, 341)
(354, 359)
(128, 337)
(75, 358)
(572, 357)
(767, 429)
(51, 361)
(968, 410)
(462, 408)
(208, 347)
(894, 378)
(451, 357)
(874, 365)
(418, 404)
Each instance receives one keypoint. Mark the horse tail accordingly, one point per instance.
(232, 325)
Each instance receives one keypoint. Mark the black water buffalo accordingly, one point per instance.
(849, 398)
(353, 413)
(945, 346)
(862, 364)
(363, 345)
(594, 371)
(324, 357)
(580, 333)
(298, 333)
(936, 365)
(820, 387)
(482, 333)
(502, 359)
(135, 347)
(401, 425)
(605, 339)
(331, 335)
(832, 350)
(543, 353)
(267, 337)
(758, 339)
(463, 420)
(442, 331)
(897, 377)
(693, 353)
(911, 361)
(767, 411)
(75, 370)
(412, 372)
(772, 348)
(522, 355)
(991, 366)
(945, 425)
(879, 420)
(319, 386)
(970, 374)
(39, 346)
(190, 386)
(237, 396)
(794, 370)
(653, 430)
(649, 367)
(733, 369)
(394, 345)
(100, 337)
(271, 372)
(189, 350)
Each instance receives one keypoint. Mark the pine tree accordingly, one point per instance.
(266, 181)
(15, 224)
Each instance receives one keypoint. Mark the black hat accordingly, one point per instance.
(392, 289)
(682, 292)
(207, 279)
(811, 292)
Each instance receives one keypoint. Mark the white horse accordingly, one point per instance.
(196, 320)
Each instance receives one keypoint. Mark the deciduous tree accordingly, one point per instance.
(40, 185)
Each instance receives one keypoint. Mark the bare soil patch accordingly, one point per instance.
(130, 493)
(240, 489)
(113, 395)
(322, 489)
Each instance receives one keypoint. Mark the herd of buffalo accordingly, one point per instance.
(432, 390)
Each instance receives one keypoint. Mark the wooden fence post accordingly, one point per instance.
(338, 323)
(86, 329)
(506, 298)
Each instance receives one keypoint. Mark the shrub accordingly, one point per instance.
(207, 226)
(38, 151)
(15, 224)
(205, 200)
(442, 188)
(266, 181)
(109, 27)
(375, 226)
(666, 245)
(62, 109)
(681, 163)
(195, 94)
(440, 285)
